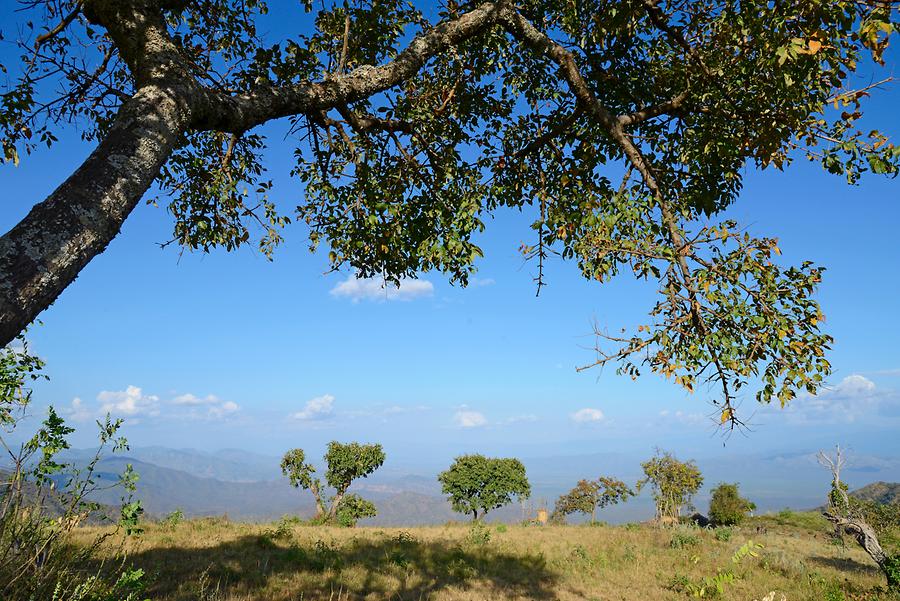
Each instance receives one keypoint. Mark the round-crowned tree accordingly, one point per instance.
(476, 484)
(727, 507)
(673, 483)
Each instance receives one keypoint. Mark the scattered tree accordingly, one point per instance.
(589, 495)
(476, 484)
(346, 463)
(727, 507)
(674, 483)
(410, 132)
(860, 519)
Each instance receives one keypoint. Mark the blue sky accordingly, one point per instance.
(230, 350)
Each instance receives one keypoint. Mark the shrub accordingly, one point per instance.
(479, 534)
(353, 508)
(723, 534)
(681, 540)
(173, 519)
(727, 507)
(45, 499)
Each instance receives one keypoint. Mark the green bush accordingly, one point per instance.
(479, 534)
(681, 540)
(173, 519)
(723, 534)
(354, 508)
(727, 507)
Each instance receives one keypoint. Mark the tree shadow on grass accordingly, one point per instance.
(402, 567)
(846, 564)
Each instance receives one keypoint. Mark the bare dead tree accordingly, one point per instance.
(848, 517)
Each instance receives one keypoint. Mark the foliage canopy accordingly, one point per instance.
(624, 127)
(727, 507)
(476, 484)
(589, 495)
(673, 483)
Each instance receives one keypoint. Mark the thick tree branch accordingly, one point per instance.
(240, 113)
(45, 252)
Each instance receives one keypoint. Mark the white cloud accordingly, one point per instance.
(384, 411)
(134, 404)
(469, 419)
(130, 402)
(78, 411)
(855, 385)
(587, 415)
(357, 289)
(680, 417)
(190, 399)
(854, 398)
(221, 410)
(481, 282)
(321, 407)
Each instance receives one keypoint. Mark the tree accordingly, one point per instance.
(346, 463)
(411, 132)
(727, 507)
(476, 484)
(673, 482)
(589, 495)
(860, 519)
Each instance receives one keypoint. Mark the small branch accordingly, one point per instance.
(67, 20)
(343, 62)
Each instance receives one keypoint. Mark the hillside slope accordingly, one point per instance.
(884, 493)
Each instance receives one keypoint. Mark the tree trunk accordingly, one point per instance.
(44, 252)
(867, 538)
(320, 507)
(335, 503)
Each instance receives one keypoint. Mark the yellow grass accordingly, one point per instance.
(212, 559)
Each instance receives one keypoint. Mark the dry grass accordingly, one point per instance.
(211, 559)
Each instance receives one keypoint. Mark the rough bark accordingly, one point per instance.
(866, 537)
(45, 252)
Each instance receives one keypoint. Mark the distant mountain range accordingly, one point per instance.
(249, 486)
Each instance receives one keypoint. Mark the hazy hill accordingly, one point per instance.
(228, 465)
(249, 486)
(885, 493)
(55, 504)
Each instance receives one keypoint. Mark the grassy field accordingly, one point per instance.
(212, 559)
